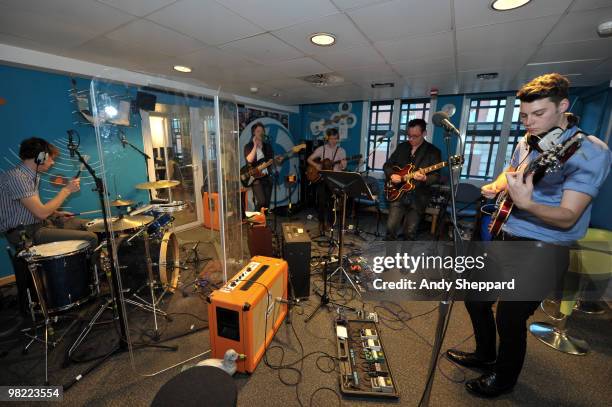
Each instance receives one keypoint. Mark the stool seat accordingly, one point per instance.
(200, 386)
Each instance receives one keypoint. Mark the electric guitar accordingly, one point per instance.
(251, 172)
(312, 172)
(394, 191)
(549, 161)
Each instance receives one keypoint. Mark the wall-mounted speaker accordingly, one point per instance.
(145, 101)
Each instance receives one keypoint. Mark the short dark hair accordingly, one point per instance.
(418, 122)
(551, 85)
(331, 132)
(31, 147)
(255, 126)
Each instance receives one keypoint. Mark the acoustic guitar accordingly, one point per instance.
(312, 172)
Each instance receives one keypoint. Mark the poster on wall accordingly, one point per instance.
(343, 119)
(277, 134)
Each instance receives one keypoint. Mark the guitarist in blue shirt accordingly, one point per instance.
(553, 214)
(257, 150)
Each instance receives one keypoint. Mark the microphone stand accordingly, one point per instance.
(146, 157)
(445, 307)
(115, 299)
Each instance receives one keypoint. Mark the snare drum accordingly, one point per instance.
(170, 207)
(65, 272)
(164, 256)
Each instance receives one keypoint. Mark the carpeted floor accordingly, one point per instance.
(549, 378)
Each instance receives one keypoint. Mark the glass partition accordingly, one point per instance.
(170, 170)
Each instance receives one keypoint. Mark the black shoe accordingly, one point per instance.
(488, 385)
(469, 359)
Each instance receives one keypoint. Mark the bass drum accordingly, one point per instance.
(165, 258)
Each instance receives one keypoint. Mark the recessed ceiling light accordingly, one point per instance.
(276, 94)
(505, 5)
(323, 39)
(181, 68)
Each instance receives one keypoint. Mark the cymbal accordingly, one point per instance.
(122, 202)
(120, 223)
(158, 184)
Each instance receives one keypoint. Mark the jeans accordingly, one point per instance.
(404, 213)
(262, 192)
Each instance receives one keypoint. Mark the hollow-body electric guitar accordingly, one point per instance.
(394, 191)
(549, 161)
(312, 172)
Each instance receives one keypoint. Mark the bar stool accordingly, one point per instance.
(593, 260)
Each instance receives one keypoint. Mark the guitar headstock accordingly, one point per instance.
(298, 148)
(553, 159)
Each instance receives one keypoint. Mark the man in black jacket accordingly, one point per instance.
(409, 209)
(258, 150)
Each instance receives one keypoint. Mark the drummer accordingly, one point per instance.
(23, 215)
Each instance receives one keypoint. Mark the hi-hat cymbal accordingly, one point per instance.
(122, 202)
(118, 224)
(158, 184)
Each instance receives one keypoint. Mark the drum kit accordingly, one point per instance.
(64, 274)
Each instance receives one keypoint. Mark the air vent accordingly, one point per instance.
(382, 85)
(487, 76)
(324, 79)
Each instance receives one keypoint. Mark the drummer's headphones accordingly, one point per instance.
(43, 154)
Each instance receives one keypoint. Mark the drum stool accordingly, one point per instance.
(589, 261)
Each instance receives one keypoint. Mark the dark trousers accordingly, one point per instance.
(510, 320)
(406, 215)
(262, 192)
(325, 204)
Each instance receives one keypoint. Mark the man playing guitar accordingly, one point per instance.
(408, 210)
(332, 151)
(254, 151)
(555, 213)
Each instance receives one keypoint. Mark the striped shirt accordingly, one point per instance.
(15, 184)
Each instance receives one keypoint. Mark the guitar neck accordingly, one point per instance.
(433, 167)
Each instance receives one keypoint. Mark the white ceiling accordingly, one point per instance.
(237, 44)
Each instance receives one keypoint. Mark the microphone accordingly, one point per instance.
(289, 302)
(440, 119)
(70, 143)
(388, 136)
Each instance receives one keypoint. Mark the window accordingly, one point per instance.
(482, 137)
(414, 109)
(380, 124)
(517, 130)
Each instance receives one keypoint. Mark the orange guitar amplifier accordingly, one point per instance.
(245, 313)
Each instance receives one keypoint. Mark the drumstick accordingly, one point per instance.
(87, 212)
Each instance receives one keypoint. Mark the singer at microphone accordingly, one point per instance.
(406, 213)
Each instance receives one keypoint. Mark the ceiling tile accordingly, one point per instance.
(582, 25)
(284, 84)
(403, 18)
(42, 29)
(347, 35)
(604, 68)
(264, 48)
(275, 14)
(205, 20)
(138, 8)
(152, 36)
(302, 67)
(211, 58)
(426, 46)
(581, 67)
(352, 4)
(21, 42)
(470, 14)
(506, 35)
(419, 67)
(116, 53)
(563, 51)
(492, 59)
(85, 15)
(369, 74)
(580, 5)
(352, 57)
